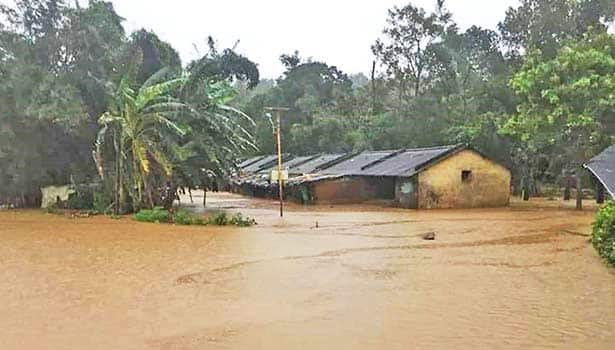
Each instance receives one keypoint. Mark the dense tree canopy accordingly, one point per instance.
(72, 73)
(536, 95)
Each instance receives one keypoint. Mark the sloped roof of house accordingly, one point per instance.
(394, 163)
(603, 168)
(287, 164)
(249, 161)
(259, 164)
(353, 165)
(315, 163)
(403, 162)
(407, 162)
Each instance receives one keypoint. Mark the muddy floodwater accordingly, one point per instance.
(321, 278)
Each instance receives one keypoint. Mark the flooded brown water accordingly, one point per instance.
(518, 278)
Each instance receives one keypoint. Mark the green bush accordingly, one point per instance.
(102, 201)
(219, 219)
(603, 233)
(239, 220)
(182, 217)
(222, 219)
(157, 214)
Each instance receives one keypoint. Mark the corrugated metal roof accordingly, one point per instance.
(406, 162)
(603, 167)
(287, 164)
(256, 166)
(250, 161)
(354, 165)
(312, 165)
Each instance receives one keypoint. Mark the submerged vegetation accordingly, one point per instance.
(182, 217)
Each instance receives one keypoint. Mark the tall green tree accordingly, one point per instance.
(405, 50)
(548, 24)
(567, 101)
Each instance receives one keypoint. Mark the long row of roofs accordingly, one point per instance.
(398, 163)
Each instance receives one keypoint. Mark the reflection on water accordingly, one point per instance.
(362, 277)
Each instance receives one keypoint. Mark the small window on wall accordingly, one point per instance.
(466, 175)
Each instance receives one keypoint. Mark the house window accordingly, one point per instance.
(466, 175)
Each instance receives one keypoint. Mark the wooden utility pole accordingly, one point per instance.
(278, 111)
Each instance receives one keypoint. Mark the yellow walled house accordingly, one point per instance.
(462, 179)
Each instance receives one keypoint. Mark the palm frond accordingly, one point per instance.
(139, 152)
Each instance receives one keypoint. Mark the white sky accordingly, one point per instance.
(339, 32)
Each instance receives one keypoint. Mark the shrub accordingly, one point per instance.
(182, 217)
(603, 233)
(157, 214)
(102, 201)
(219, 219)
(239, 220)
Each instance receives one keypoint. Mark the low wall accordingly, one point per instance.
(353, 189)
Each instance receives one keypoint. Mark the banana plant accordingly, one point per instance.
(182, 126)
(144, 124)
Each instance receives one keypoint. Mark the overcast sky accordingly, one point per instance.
(339, 32)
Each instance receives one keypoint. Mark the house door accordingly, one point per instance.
(407, 192)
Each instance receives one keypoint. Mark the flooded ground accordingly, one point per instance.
(339, 278)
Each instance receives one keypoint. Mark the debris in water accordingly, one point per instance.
(429, 236)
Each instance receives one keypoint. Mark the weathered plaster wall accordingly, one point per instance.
(441, 185)
(406, 192)
(353, 189)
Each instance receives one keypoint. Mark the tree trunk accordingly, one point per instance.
(567, 190)
(400, 101)
(118, 181)
(525, 189)
(579, 189)
(599, 193)
(204, 197)
(373, 87)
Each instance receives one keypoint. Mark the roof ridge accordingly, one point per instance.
(434, 147)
